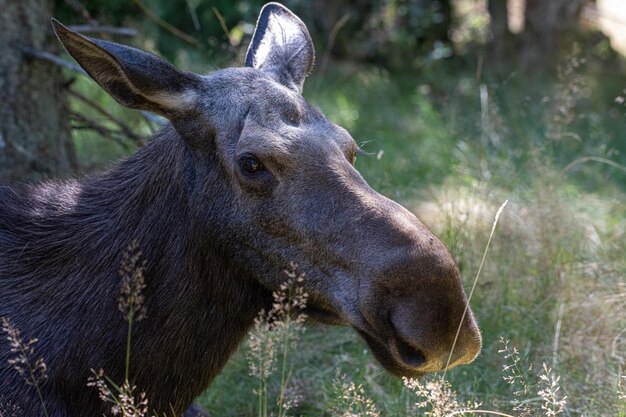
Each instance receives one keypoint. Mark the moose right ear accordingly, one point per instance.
(281, 45)
(134, 78)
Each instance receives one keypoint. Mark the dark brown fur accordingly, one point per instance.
(61, 246)
(215, 235)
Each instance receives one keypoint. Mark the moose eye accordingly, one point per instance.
(250, 164)
(292, 118)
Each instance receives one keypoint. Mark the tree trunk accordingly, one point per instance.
(439, 31)
(545, 24)
(35, 139)
(501, 40)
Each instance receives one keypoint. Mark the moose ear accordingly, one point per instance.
(282, 46)
(134, 78)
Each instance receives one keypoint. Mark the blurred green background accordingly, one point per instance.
(461, 104)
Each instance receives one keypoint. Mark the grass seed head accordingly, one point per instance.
(122, 400)
(131, 300)
(25, 362)
(553, 402)
(351, 400)
(436, 398)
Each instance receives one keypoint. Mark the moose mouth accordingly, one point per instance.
(396, 356)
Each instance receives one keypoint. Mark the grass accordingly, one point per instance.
(122, 398)
(25, 362)
(553, 283)
(451, 148)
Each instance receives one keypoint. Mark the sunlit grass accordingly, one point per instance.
(553, 282)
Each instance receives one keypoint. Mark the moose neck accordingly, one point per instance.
(199, 302)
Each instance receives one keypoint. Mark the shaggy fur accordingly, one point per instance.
(60, 248)
(216, 232)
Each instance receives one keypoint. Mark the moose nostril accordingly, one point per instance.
(410, 355)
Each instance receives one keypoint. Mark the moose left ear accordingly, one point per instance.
(134, 78)
(282, 46)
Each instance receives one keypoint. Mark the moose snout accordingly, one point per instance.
(427, 336)
(409, 304)
(417, 316)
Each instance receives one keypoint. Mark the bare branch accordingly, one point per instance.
(111, 30)
(127, 131)
(86, 123)
(36, 163)
(153, 118)
(165, 25)
(584, 159)
(332, 37)
(194, 15)
(47, 56)
(79, 8)
(222, 22)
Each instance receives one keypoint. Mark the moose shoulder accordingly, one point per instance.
(245, 179)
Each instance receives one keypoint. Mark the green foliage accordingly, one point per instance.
(391, 33)
(559, 242)
(451, 146)
(200, 20)
(385, 32)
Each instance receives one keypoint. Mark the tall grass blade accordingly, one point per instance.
(469, 297)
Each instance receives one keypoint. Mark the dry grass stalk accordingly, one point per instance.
(471, 293)
(32, 369)
(437, 399)
(276, 331)
(122, 398)
(131, 300)
(621, 390)
(547, 385)
(515, 376)
(131, 271)
(553, 402)
(8, 409)
(25, 362)
(352, 401)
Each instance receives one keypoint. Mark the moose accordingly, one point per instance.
(246, 178)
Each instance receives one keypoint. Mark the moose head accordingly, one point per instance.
(270, 180)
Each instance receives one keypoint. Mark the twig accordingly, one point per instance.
(47, 56)
(194, 15)
(165, 25)
(222, 22)
(137, 139)
(90, 124)
(594, 159)
(332, 37)
(112, 30)
(469, 297)
(81, 9)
